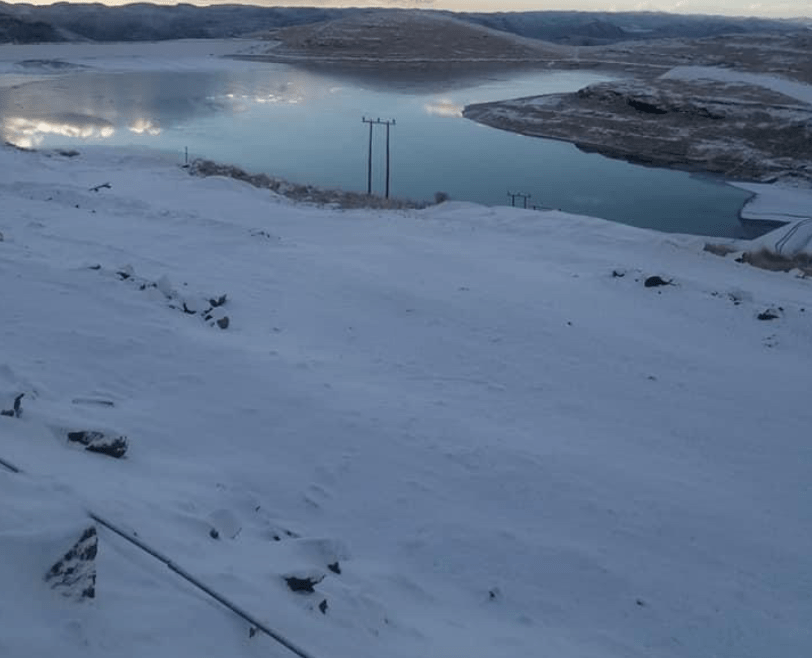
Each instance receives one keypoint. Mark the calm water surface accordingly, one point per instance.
(305, 125)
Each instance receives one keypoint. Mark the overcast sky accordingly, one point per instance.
(770, 8)
(773, 8)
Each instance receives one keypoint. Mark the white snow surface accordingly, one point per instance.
(792, 88)
(509, 450)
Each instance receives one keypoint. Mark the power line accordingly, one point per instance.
(378, 122)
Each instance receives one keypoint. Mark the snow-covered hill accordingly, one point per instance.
(147, 21)
(478, 429)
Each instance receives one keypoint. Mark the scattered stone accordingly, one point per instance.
(494, 594)
(641, 603)
(769, 314)
(323, 607)
(655, 281)
(71, 153)
(618, 274)
(305, 585)
(252, 631)
(214, 534)
(335, 567)
(16, 410)
(75, 573)
(125, 272)
(223, 322)
(101, 187)
(2, 239)
(189, 308)
(112, 446)
(218, 301)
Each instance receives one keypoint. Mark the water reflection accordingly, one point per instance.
(305, 125)
(93, 106)
(29, 132)
(445, 108)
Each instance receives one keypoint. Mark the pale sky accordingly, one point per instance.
(766, 8)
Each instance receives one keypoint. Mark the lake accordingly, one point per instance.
(305, 125)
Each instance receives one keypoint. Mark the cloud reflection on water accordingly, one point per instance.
(29, 132)
(444, 108)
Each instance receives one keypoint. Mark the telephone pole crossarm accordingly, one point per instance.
(378, 122)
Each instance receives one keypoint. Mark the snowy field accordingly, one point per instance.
(475, 430)
(504, 441)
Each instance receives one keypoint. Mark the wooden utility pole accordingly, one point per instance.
(373, 122)
(521, 195)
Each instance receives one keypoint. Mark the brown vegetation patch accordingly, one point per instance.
(302, 193)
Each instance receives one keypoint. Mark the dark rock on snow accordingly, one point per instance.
(769, 314)
(16, 410)
(655, 281)
(112, 446)
(74, 575)
(305, 585)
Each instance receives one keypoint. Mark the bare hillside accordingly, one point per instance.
(404, 36)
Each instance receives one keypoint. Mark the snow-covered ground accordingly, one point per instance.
(791, 88)
(509, 444)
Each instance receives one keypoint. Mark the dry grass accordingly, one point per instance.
(765, 259)
(769, 260)
(302, 193)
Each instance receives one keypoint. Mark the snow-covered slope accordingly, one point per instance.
(506, 443)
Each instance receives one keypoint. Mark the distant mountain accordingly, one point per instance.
(150, 22)
(145, 22)
(597, 28)
(18, 30)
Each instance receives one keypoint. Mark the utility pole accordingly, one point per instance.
(520, 195)
(369, 157)
(377, 122)
(387, 157)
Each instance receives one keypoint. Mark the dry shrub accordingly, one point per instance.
(719, 249)
(770, 260)
(765, 259)
(303, 193)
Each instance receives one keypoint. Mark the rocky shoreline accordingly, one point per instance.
(731, 129)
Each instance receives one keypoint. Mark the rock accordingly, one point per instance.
(218, 301)
(769, 314)
(304, 585)
(335, 567)
(223, 322)
(75, 574)
(16, 411)
(323, 607)
(655, 281)
(112, 446)
(2, 239)
(125, 272)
